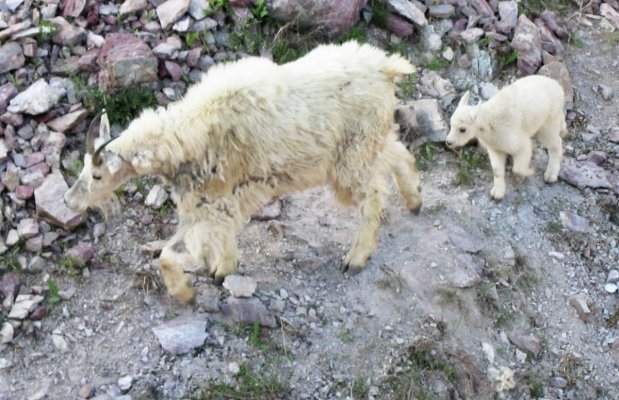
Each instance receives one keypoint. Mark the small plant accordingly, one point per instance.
(250, 386)
(553, 227)
(357, 33)
(536, 389)
(191, 38)
(504, 318)
(425, 154)
(469, 161)
(15, 81)
(73, 265)
(54, 296)
(346, 336)
(509, 58)
(215, 5)
(436, 63)
(259, 10)
(379, 12)
(255, 337)
(360, 388)
(47, 29)
(76, 168)
(575, 40)
(397, 47)
(407, 86)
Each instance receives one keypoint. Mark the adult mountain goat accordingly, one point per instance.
(252, 130)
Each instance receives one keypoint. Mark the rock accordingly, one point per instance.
(605, 91)
(431, 40)
(582, 308)
(27, 228)
(169, 49)
(81, 253)
(86, 391)
(527, 41)
(37, 99)
(596, 157)
(9, 287)
(6, 333)
(574, 222)
(508, 13)
(59, 342)
(181, 335)
(481, 64)
(126, 60)
(182, 25)
(4, 151)
(171, 11)
(448, 54)
(18, 27)
(68, 34)
(11, 57)
(132, 6)
(442, 11)
(24, 304)
(466, 272)
(487, 90)
(240, 286)
(434, 85)
(610, 14)
(38, 313)
(50, 205)
(482, 7)
(13, 4)
(552, 22)
(527, 343)
(93, 40)
(471, 35)
(464, 241)
(398, 25)
(174, 70)
(409, 11)
(156, 197)
(269, 212)
(610, 287)
(198, 9)
(423, 117)
(559, 72)
(7, 92)
(584, 174)
(335, 17)
(558, 382)
(125, 383)
(248, 311)
(234, 368)
(73, 8)
(69, 121)
(613, 276)
(550, 43)
(12, 237)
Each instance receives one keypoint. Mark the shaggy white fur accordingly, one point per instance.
(504, 125)
(252, 130)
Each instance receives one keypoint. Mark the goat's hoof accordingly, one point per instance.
(416, 210)
(550, 178)
(218, 280)
(350, 269)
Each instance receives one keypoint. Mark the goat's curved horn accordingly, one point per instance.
(91, 134)
(96, 157)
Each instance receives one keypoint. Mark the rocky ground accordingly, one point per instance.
(472, 299)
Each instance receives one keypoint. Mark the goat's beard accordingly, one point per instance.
(109, 208)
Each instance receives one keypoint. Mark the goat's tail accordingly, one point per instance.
(396, 66)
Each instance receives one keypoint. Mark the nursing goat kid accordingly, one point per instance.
(504, 125)
(252, 130)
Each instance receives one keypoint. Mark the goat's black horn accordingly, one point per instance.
(91, 134)
(96, 157)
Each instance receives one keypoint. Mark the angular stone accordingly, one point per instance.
(6, 333)
(68, 121)
(271, 211)
(126, 60)
(37, 99)
(574, 222)
(586, 174)
(248, 311)
(508, 13)
(399, 25)
(527, 343)
(240, 286)
(11, 57)
(466, 272)
(409, 11)
(86, 391)
(527, 41)
(81, 253)
(132, 6)
(50, 205)
(59, 342)
(482, 7)
(24, 192)
(9, 286)
(550, 43)
(610, 14)
(73, 8)
(559, 72)
(156, 197)
(198, 9)
(34, 244)
(464, 241)
(552, 22)
(7, 92)
(582, 308)
(181, 335)
(4, 151)
(88, 61)
(168, 49)
(18, 27)
(24, 304)
(27, 228)
(471, 35)
(171, 11)
(442, 11)
(424, 117)
(174, 70)
(334, 17)
(434, 85)
(68, 34)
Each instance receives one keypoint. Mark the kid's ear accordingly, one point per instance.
(104, 127)
(465, 99)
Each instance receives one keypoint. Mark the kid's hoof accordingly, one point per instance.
(416, 210)
(350, 269)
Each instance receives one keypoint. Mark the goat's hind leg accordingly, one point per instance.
(402, 164)
(371, 203)
(550, 138)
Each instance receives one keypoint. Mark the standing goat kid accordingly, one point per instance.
(252, 130)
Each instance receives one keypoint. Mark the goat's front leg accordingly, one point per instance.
(175, 259)
(497, 161)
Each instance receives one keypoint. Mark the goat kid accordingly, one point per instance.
(253, 130)
(532, 106)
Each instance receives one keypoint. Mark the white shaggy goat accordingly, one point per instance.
(505, 124)
(252, 130)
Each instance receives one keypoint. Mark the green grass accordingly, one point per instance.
(397, 48)
(357, 32)
(191, 38)
(346, 336)
(76, 168)
(504, 318)
(54, 297)
(575, 40)
(437, 63)
(259, 10)
(507, 59)
(379, 12)
(250, 385)
(74, 266)
(360, 388)
(536, 7)
(553, 227)
(10, 259)
(47, 29)
(425, 155)
(407, 86)
(468, 161)
(536, 389)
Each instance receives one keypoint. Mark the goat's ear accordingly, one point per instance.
(465, 99)
(104, 127)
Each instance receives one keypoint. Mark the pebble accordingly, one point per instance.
(610, 287)
(86, 391)
(240, 286)
(234, 368)
(125, 383)
(613, 276)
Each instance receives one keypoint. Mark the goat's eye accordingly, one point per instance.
(96, 177)
(462, 130)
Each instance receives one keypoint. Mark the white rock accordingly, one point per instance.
(60, 343)
(611, 287)
(37, 99)
(197, 8)
(182, 25)
(240, 286)
(94, 40)
(6, 333)
(24, 304)
(132, 6)
(408, 10)
(234, 368)
(156, 197)
(171, 11)
(613, 276)
(125, 383)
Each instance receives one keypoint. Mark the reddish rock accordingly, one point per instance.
(35, 158)
(88, 61)
(68, 34)
(193, 56)
(552, 22)
(37, 314)
(558, 71)
(550, 43)
(9, 286)
(399, 25)
(174, 70)
(50, 205)
(81, 253)
(240, 3)
(7, 92)
(527, 41)
(24, 192)
(73, 8)
(482, 7)
(126, 60)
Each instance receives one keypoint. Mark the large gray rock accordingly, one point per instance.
(423, 118)
(434, 85)
(508, 13)
(37, 99)
(334, 16)
(198, 9)
(527, 41)
(530, 344)
(248, 311)
(409, 11)
(68, 34)
(240, 286)
(550, 43)
(610, 14)
(181, 335)
(50, 205)
(558, 71)
(11, 57)
(18, 27)
(171, 11)
(126, 60)
(584, 174)
(9, 287)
